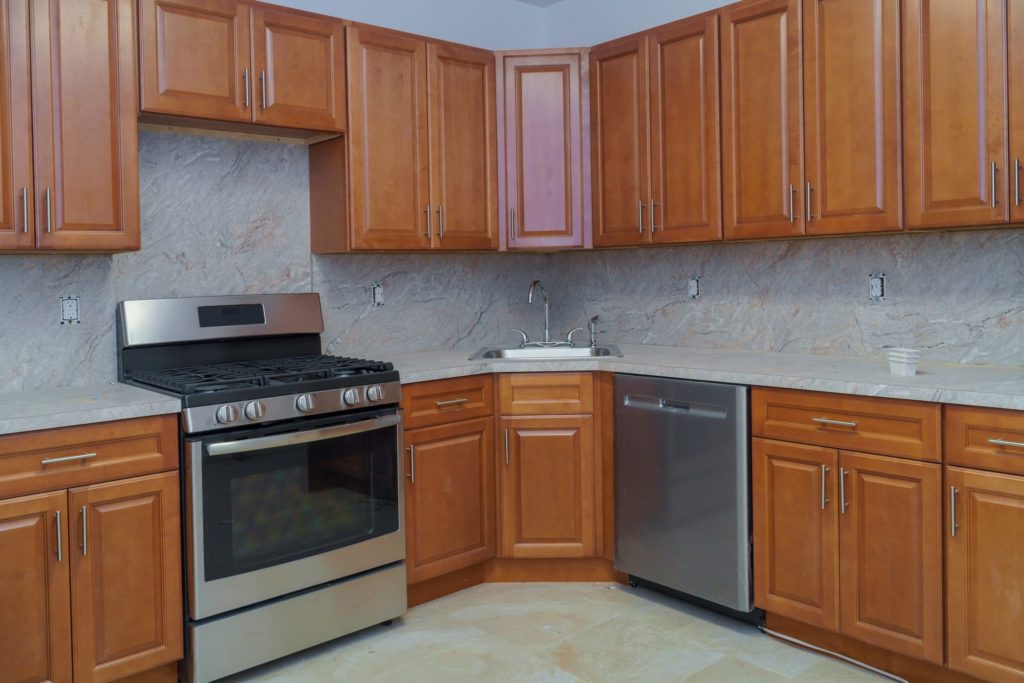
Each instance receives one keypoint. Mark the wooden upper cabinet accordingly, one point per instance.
(16, 191)
(685, 201)
(619, 142)
(389, 155)
(985, 574)
(463, 147)
(852, 116)
(35, 622)
(1015, 45)
(194, 58)
(543, 150)
(762, 150)
(84, 100)
(954, 101)
(299, 70)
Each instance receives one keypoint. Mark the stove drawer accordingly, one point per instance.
(427, 404)
(61, 458)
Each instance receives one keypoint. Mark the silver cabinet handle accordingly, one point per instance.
(412, 465)
(995, 171)
(824, 477)
(440, 222)
(1016, 182)
(512, 221)
(842, 490)
(809, 212)
(953, 526)
(245, 87)
(453, 402)
(792, 202)
(654, 223)
(834, 423)
(85, 531)
(49, 211)
(68, 458)
(506, 447)
(24, 209)
(263, 89)
(60, 541)
(1003, 442)
(429, 228)
(640, 215)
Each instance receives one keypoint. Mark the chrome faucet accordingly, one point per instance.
(592, 324)
(547, 307)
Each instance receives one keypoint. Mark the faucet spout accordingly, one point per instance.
(547, 306)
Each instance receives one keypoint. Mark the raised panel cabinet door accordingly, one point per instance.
(388, 141)
(890, 550)
(194, 58)
(1015, 45)
(543, 162)
(86, 147)
(126, 576)
(796, 532)
(985, 574)
(16, 192)
(762, 146)
(463, 147)
(686, 189)
(449, 494)
(35, 621)
(299, 70)
(954, 102)
(620, 147)
(852, 116)
(546, 472)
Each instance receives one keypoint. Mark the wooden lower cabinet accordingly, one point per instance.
(985, 574)
(449, 496)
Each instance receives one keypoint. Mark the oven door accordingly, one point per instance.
(276, 510)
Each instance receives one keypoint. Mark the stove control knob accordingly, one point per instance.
(255, 410)
(375, 393)
(351, 397)
(306, 403)
(227, 414)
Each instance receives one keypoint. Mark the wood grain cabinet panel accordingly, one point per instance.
(984, 438)
(427, 404)
(954, 104)
(547, 393)
(1015, 45)
(852, 116)
(985, 574)
(762, 146)
(35, 622)
(16, 189)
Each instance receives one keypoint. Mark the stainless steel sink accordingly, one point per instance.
(545, 353)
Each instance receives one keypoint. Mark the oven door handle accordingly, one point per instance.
(293, 438)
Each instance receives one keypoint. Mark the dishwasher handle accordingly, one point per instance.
(674, 407)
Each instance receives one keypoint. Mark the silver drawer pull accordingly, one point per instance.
(824, 476)
(60, 541)
(411, 474)
(69, 458)
(953, 525)
(1003, 442)
(834, 423)
(85, 531)
(453, 402)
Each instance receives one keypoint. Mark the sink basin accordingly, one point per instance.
(546, 353)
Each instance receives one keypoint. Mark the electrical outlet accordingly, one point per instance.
(876, 287)
(377, 294)
(69, 310)
(693, 287)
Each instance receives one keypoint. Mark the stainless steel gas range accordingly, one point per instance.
(292, 480)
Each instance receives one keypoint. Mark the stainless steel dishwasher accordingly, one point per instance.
(682, 487)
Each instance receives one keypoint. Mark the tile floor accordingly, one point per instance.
(558, 633)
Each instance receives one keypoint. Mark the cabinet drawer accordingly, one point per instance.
(434, 403)
(908, 429)
(548, 393)
(74, 456)
(985, 438)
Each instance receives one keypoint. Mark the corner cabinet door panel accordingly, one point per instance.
(852, 116)
(463, 146)
(546, 472)
(84, 103)
(985, 574)
(762, 152)
(954, 100)
(685, 203)
(1015, 44)
(449, 493)
(388, 150)
(35, 621)
(890, 535)
(619, 142)
(194, 58)
(126, 576)
(16, 193)
(298, 70)
(796, 534)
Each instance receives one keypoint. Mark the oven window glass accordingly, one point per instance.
(268, 507)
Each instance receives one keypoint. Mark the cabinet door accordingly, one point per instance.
(126, 576)
(84, 99)
(543, 155)
(449, 494)
(194, 58)
(619, 142)
(890, 535)
(954, 101)
(685, 203)
(546, 472)
(16, 193)
(463, 147)
(852, 116)
(35, 622)
(388, 152)
(796, 534)
(299, 67)
(1015, 22)
(985, 574)
(762, 149)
